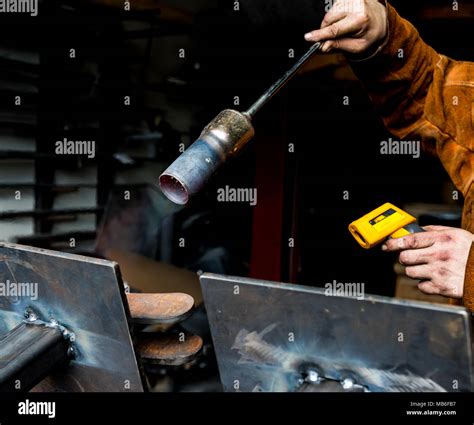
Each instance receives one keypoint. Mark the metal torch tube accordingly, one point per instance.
(275, 88)
(221, 140)
(224, 137)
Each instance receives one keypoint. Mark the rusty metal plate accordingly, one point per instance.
(169, 349)
(86, 296)
(157, 309)
(266, 333)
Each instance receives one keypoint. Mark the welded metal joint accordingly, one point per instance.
(31, 350)
(312, 380)
(32, 318)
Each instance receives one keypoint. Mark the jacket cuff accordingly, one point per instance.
(402, 38)
(372, 53)
(468, 297)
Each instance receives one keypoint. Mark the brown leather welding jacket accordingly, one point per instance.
(422, 95)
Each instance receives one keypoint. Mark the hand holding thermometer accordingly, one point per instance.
(384, 222)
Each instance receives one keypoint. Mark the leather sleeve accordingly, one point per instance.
(468, 298)
(422, 95)
(398, 78)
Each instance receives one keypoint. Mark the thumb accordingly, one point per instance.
(436, 228)
(348, 45)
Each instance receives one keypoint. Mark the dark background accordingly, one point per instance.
(228, 54)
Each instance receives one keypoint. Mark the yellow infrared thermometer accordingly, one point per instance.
(384, 222)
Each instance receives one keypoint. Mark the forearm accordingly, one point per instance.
(421, 95)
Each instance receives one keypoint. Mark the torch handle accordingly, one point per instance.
(278, 85)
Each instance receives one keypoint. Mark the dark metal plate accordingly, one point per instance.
(86, 296)
(266, 333)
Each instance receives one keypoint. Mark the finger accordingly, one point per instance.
(340, 9)
(412, 257)
(415, 241)
(429, 288)
(327, 46)
(346, 26)
(422, 272)
(336, 14)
